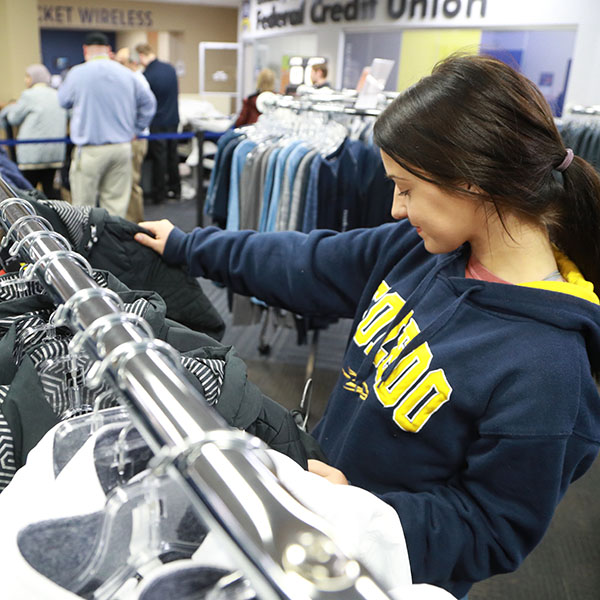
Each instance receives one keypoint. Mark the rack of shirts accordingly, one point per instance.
(306, 164)
(302, 166)
(179, 474)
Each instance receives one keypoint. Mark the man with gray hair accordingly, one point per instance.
(38, 114)
(110, 107)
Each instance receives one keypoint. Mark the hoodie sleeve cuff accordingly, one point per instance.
(174, 252)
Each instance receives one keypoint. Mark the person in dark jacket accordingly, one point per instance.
(162, 78)
(10, 172)
(249, 114)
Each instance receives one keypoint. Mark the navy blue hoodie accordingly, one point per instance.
(469, 406)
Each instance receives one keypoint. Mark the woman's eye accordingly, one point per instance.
(403, 193)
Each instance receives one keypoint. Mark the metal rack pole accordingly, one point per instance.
(282, 547)
(200, 193)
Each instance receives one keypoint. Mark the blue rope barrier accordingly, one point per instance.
(168, 136)
(212, 135)
(208, 135)
(44, 141)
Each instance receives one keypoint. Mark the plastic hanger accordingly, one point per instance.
(143, 520)
(71, 434)
(16, 285)
(146, 520)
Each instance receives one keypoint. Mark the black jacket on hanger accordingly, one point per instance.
(242, 405)
(107, 243)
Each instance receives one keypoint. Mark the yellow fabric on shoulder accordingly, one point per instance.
(575, 284)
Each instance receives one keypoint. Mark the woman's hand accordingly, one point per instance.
(324, 470)
(161, 230)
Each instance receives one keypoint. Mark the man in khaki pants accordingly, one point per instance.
(135, 210)
(139, 148)
(110, 107)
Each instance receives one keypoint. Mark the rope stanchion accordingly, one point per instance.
(184, 135)
(200, 135)
(35, 141)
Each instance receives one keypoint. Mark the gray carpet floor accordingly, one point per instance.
(565, 565)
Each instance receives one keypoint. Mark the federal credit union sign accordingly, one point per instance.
(277, 14)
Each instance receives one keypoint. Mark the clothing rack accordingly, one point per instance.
(330, 104)
(325, 107)
(279, 545)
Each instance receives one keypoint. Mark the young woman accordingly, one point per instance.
(467, 397)
(265, 82)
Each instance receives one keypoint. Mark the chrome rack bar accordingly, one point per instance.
(282, 547)
(322, 107)
(5, 190)
(323, 103)
(580, 109)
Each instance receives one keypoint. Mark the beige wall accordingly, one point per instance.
(19, 45)
(188, 25)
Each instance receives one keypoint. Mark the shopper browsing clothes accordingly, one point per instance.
(38, 114)
(467, 397)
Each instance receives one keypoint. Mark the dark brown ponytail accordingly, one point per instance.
(577, 233)
(476, 120)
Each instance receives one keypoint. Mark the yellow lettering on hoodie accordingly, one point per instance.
(405, 331)
(405, 374)
(414, 391)
(378, 317)
(435, 388)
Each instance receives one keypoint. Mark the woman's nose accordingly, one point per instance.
(399, 208)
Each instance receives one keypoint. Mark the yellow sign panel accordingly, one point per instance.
(421, 50)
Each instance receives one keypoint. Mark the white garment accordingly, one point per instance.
(199, 114)
(34, 495)
(364, 527)
(420, 591)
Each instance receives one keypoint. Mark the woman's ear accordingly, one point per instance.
(472, 188)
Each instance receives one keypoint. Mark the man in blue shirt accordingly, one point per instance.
(162, 78)
(110, 107)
